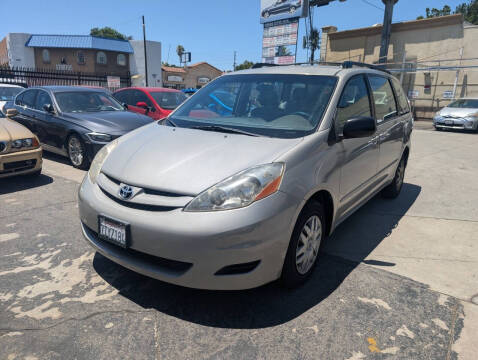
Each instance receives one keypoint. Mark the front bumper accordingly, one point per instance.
(457, 124)
(208, 241)
(20, 163)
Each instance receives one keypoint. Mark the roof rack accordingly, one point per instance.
(351, 64)
(344, 65)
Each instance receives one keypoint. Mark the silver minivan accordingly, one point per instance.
(242, 183)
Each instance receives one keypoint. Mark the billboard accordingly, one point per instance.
(279, 41)
(273, 10)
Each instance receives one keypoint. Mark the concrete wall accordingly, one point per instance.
(424, 44)
(18, 53)
(137, 69)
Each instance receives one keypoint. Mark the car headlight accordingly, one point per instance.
(240, 190)
(438, 117)
(98, 161)
(99, 137)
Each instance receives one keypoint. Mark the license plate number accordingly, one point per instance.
(449, 122)
(113, 231)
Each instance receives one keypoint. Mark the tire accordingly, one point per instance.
(77, 152)
(266, 14)
(438, 129)
(292, 9)
(393, 190)
(295, 272)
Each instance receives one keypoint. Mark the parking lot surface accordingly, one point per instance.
(396, 280)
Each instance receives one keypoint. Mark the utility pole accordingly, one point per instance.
(145, 54)
(234, 66)
(386, 30)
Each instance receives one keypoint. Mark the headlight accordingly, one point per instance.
(17, 144)
(99, 159)
(438, 117)
(240, 190)
(99, 137)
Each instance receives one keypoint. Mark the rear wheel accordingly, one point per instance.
(393, 190)
(266, 14)
(304, 245)
(77, 152)
(292, 9)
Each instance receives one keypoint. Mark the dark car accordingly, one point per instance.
(282, 6)
(73, 121)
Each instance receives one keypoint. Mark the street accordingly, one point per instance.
(398, 280)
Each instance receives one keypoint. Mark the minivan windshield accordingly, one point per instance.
(465, 104)
(284, 106)
(87, 101)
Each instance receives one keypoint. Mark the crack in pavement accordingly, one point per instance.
(89, 316)
(421, 217)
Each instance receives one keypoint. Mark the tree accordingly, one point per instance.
(110, 33)
(245, 65)
(314, 43)
(164, 63)
(468, 9)
(180, 51)
(283, 51)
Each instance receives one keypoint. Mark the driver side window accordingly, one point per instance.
(354, 102)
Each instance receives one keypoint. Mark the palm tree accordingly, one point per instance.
(314, 43)
(180, 52)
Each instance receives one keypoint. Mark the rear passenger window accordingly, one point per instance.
(402, 99)
(29, 98)
(385, 106)
(353, 103)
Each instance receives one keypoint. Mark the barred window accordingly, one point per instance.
(101, 58)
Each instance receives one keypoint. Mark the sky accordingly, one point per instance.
(210, 29)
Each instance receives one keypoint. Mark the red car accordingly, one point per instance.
(155, 102)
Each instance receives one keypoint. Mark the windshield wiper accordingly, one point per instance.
(225, 129)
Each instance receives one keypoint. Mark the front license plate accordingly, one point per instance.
(449, 122)
(113, 231)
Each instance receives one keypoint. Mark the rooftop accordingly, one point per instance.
(79, 42)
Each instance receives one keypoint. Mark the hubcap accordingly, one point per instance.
(400, 174)
(76, 151)
(308, 245)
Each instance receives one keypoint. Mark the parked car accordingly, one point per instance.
(20, 151)
(281, 6)
(189, 91)
(73, 121)
(236, 201)
(460, 114)
(7, 95)
(155, 102)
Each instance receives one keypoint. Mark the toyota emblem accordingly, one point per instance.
(126, 192)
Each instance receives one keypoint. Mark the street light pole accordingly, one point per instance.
(386, 30)
(145, 54)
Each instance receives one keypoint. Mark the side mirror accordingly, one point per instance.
(12, 113)
(359, 127)
(48, 108)
(142, 104)
(125, 105)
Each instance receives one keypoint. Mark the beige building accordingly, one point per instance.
(194, 76)
(436, 57)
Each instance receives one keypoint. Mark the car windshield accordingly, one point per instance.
(465, 104)
(9, 93)
(284, 106)
(168, 100)
(86, 101)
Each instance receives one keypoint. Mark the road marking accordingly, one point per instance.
(373, 345)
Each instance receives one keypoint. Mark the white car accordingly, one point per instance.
(8, 93)
(460, 114)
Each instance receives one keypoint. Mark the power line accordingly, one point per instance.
(373, 5)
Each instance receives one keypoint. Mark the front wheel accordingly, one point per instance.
(393, 190)
(292, 9)
(304, 245)
(77, 152)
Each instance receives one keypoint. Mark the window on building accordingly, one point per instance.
(101, 58)
(46, 56)
(385, 107)
(80, 56)
(121, 60)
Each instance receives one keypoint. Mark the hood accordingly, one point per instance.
(11, 130)
(457, 112)
(188, 161)
(108, 122)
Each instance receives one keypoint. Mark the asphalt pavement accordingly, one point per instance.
(396, 281)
